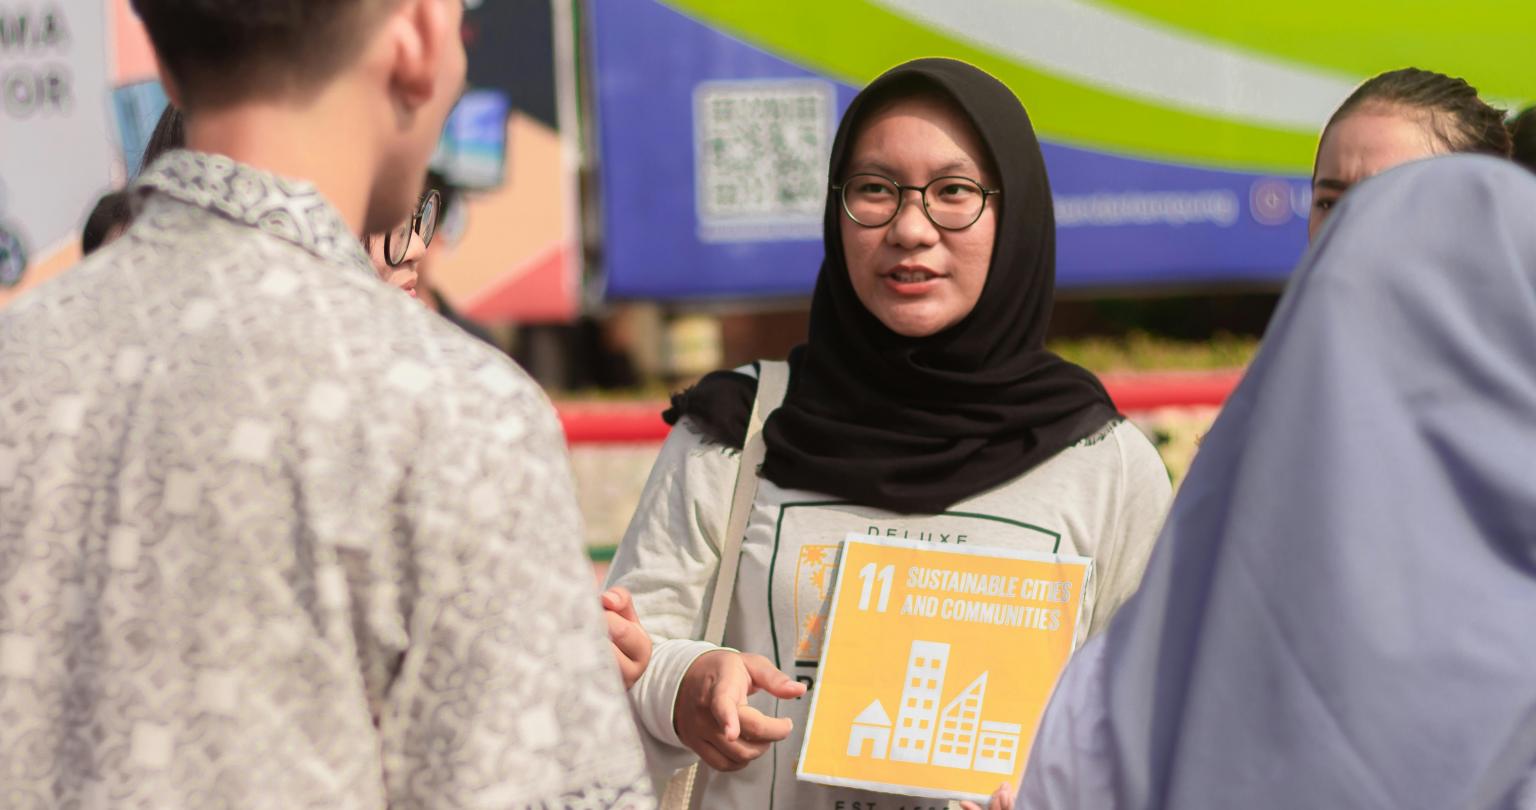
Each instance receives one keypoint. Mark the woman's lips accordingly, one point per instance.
(910, 280)
(406, 281)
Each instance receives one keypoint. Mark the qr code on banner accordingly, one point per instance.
(760, 151)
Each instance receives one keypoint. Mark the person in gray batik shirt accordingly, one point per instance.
(273, 535)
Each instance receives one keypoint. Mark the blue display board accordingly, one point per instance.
(713, 178)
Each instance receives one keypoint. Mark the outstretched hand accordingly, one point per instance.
(712, 716)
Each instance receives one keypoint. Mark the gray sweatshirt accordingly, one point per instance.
(1103, 498)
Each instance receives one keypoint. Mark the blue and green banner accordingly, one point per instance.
(1179, 136)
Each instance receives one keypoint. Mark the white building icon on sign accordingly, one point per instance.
(959, 725)
(955, 738)
(917, 718)
(873, 726)
(998, 749)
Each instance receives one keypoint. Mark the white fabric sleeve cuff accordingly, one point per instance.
(655, 694)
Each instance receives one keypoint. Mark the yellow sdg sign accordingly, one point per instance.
(937, 665)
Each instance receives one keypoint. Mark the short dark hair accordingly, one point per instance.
(170, 133)
(109, 213)
(1522, 131)
(220, 51)
(1455, 113)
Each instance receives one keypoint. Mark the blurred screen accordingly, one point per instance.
(473, 151)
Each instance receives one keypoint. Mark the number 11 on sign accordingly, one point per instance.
(868, 576)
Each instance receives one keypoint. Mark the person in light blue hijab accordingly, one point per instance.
(1341, 611)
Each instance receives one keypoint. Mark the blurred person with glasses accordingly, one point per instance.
(397, 253)
(452, 222)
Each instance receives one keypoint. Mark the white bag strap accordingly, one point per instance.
(772, 381)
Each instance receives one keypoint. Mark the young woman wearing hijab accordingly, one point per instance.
(922, 405)
(1337, 614)
(1398, 116)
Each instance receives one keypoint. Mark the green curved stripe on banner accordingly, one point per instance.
(854, 40)
(1487, 42)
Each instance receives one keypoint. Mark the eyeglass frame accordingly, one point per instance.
(435, 200)
(922, 194)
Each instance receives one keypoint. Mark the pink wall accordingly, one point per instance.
(135, 59)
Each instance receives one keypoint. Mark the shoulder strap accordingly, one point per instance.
(682, 792)
(772, 380)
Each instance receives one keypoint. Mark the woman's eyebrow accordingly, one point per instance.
(955, 166)
(873, 166)
(942, 171)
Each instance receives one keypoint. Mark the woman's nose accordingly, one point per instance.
(911, 227)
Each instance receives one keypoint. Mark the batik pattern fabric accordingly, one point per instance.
(273, 535)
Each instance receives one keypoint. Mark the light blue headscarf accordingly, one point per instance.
(1341, 612)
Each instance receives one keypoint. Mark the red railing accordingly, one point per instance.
(640, 422)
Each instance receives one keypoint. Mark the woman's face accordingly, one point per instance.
(403, 275)
(917, 278)
(1362, 144)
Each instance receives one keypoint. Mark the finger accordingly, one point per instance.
(711, 756)
(622, 658)
(628, 670)
(1003, 798)
(619, 600)
(742, 750)
(726, 695)
(763, 728)
(970, 806)
(628, 637)
(769, 679)
(735, 758)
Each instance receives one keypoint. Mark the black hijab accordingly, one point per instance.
(917, 424)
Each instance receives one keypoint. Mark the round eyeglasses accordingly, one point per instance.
(397, 240)
(952, 203)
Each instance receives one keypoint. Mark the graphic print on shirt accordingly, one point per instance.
(813, 585)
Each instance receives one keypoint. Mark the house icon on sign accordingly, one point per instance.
(872, 725)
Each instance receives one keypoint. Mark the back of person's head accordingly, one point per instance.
(1449, 107)
(170, 133)
(1522, 131)
(220, 51)
(369, 80)
(107, 220)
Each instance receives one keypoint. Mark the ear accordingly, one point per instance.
(422, 31)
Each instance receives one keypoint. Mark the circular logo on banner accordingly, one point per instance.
(1270, 201)
(1301, 201)
(13, 257)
